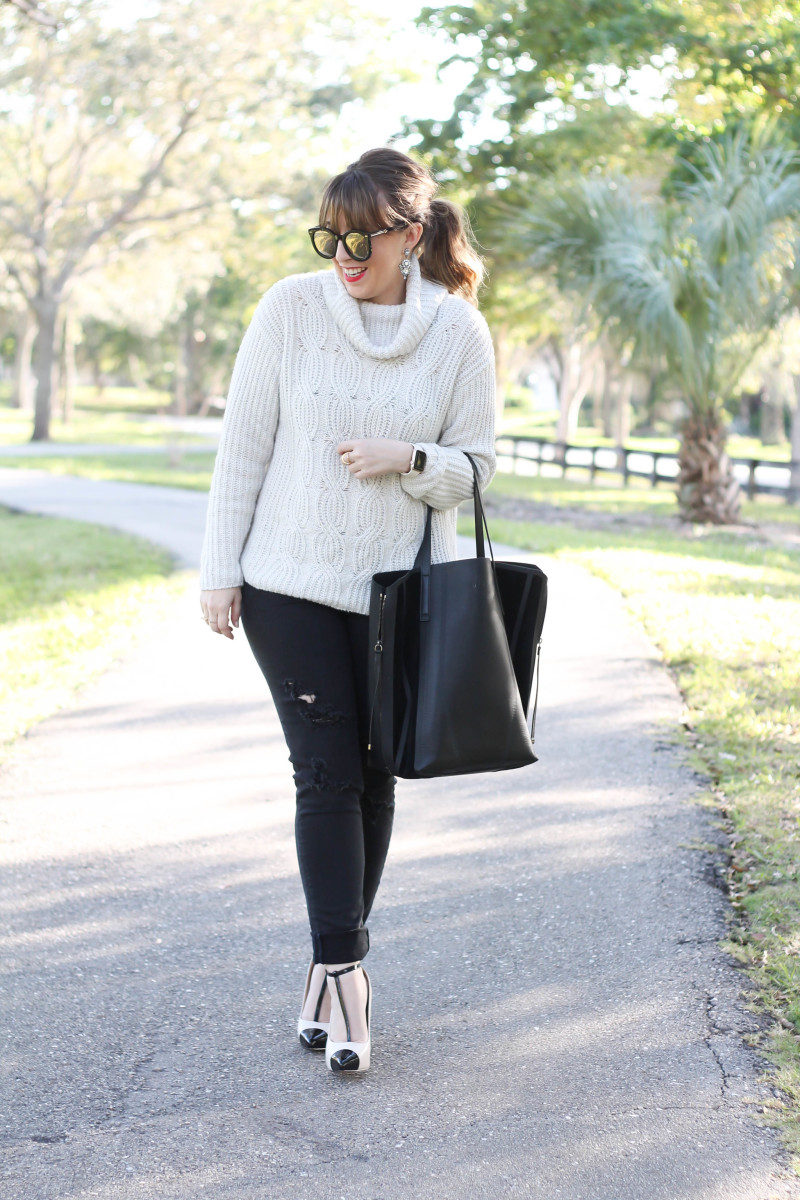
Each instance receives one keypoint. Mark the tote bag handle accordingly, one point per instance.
(423, 560)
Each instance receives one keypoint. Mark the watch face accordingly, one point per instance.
(420, 458)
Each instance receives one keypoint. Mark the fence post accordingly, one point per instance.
(560, 449)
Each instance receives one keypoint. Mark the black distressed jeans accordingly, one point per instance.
(315, 661)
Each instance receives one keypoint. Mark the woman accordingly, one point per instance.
(354, 393)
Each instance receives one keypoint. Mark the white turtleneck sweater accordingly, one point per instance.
(316, 367)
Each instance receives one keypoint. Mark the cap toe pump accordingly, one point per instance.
(349, 1056)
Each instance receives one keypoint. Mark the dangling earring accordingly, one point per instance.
(405, 265)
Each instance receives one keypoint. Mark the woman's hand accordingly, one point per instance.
(365, 457)
(216, 603)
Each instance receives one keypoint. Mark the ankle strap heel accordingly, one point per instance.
(349, 1055)
(343, 971)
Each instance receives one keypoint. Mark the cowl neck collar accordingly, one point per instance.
(423, 297)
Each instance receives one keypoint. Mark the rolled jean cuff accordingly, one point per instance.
(349, 946)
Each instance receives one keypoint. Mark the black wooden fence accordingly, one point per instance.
(756, 475)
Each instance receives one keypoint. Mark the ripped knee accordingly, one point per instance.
(316, 712)
(317, 776)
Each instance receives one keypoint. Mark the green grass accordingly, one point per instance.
(124, 399)
(724, 611)
(118, 416)
(72, 597)
(639, 498)
(188, 468)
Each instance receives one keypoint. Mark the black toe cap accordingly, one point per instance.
(314, 1039)
(344, 1060)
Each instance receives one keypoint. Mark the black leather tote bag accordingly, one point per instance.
(454, 648)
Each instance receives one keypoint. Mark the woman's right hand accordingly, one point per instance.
(216, 603)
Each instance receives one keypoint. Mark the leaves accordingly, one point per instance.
(217, 106)
(690, 280)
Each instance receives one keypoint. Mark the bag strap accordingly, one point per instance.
(424, 553)
(423, 560)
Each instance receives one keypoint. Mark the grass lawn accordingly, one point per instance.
(187, 469)
(106, 399)
(117, 416)
(71, 602)
(724, 609)
(576, 495)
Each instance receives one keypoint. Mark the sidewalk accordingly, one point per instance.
(553, 1019)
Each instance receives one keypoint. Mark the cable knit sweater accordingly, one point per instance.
(317, 366)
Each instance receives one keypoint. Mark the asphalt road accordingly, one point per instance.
(553, 1017)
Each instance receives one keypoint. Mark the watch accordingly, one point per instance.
(418, 461)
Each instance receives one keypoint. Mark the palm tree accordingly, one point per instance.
(695, 283)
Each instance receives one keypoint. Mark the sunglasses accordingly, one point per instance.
(357, 243)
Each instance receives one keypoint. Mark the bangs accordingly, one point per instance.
(353, 199)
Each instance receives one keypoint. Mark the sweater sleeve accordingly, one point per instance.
(469, 425)
(248, 432)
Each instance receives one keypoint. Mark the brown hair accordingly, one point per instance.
(385, 188)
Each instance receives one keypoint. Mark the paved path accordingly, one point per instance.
(552, 1018)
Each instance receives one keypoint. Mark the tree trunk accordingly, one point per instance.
(573, 387)
(67, 367)
(136, 373)
(650, 404)
(566, 384)
(708, 491)
(22, 390)
(502, 362)
(621, 425)
(772, 429)
(607, 403)
(599, 389)
(44, 358)
(184, 363)
(794, 450)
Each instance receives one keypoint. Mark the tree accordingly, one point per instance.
(545, 72)
(218, 105)
(696, 283)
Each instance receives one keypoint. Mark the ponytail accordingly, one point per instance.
(446, 252)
